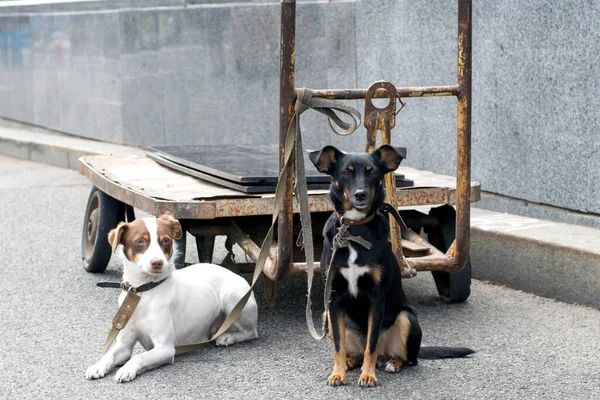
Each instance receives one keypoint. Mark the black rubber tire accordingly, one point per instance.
(102, 214)
(455, 287)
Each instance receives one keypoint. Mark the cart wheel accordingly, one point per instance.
(452, 287)
(101, 215)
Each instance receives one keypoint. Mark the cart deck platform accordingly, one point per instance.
(148, 186)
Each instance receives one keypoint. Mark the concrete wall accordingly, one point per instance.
(149, 72)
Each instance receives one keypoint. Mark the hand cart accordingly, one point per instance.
(207, 210)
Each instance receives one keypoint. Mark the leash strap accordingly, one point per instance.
(343, 237)
(306, 234)
(264, 249)
(262, 256)
(122, 316)
(128, 306)
(406, 271)
(292, 143)
(388, 208)
(305, 101)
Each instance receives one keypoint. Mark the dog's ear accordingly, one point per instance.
(325, 159)
(390, 156)
(115, 236)
(174, 225)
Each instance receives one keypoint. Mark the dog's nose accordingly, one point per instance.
(156, 263)
(360, 195)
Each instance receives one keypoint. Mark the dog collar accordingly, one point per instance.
(126, 286)
(385, 207)
(127, 307)
(353, 222)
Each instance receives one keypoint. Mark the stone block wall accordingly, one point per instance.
(151, 72)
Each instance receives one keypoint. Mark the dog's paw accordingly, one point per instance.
(394, 365)
(337, 379)
(97, 371)
(125, 374)
(367, 379)
(225, 340)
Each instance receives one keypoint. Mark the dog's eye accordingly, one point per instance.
(141, 242)
(347, 172)
(166, 241)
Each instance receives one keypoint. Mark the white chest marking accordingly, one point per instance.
(353, 272)
(354, 214)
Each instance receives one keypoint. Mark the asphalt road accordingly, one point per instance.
(53, 321)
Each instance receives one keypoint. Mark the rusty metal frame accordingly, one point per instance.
(457, 255)
(219, 215)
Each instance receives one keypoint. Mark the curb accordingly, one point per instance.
(550, 259)
(55, 149)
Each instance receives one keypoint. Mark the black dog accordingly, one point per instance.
(369, 314)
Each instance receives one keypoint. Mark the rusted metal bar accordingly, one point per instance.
(430, 263)
(437, 261)
(299, 269)
(384, 120)
(460, 249)
(253, 250)
(358, 94)
(427, 263)
(286, 111)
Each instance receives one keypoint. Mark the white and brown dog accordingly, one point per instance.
(188, 307)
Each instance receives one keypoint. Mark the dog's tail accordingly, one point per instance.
(437, 352)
